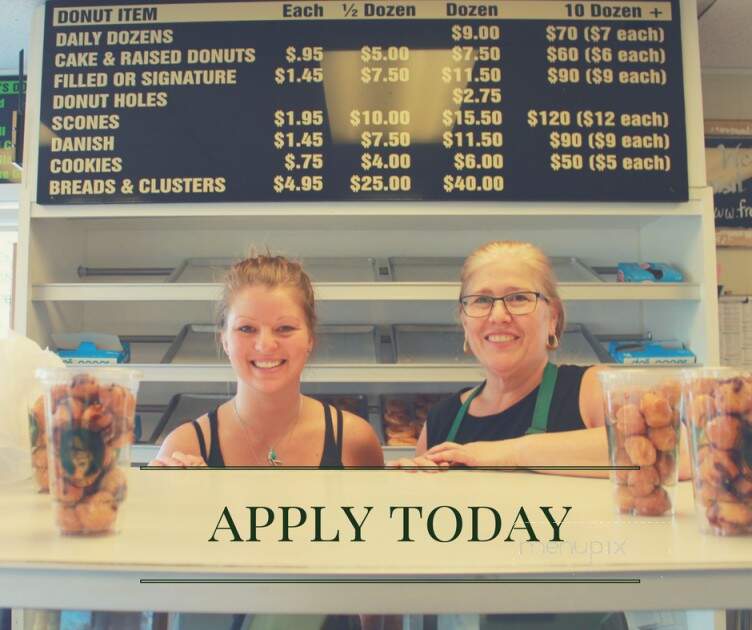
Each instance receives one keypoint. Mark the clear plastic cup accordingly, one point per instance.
(89, 418)
(718, 414)
(643, 424)
(38, 438)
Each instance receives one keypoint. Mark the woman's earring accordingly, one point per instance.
(465, 346)
(552, 342)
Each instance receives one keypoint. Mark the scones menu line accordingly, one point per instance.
(431, 100)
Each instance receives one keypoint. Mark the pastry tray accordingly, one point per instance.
(409, 269)
(410, 402)
(199, 344)
(425, 343)
(184, 408)
(443, 344)
(319, 269)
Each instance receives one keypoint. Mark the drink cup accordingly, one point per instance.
(38, 438)
(89, 420)
(718, 414)
(641, 407)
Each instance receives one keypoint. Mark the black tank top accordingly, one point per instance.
(515, 421)
(330, 458)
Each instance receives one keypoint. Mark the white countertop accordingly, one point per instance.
(604, 562)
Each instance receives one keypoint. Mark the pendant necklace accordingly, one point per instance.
(272, 457)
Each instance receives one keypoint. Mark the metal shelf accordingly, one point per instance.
(348, 291)
(346, 373)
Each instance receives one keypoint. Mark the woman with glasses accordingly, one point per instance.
(527, 411)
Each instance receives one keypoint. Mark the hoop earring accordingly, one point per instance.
(552, 342)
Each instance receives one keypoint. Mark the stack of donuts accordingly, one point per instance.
(719, 414)
(89, 423)
(404, 418)
(643, 427)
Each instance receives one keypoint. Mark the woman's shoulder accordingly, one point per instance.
(361, 446)
(184, 438)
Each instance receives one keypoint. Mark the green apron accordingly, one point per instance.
(540, 413)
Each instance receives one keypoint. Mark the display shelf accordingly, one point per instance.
(333, 212)
(347, 291)
(345, 373)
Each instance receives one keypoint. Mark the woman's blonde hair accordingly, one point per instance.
(271, 272)
(532, 258)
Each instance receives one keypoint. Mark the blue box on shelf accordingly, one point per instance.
(93, 349)
(647, 272)
(668, 352)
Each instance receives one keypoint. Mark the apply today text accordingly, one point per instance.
(443, 523)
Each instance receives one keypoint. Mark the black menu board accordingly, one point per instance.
(343, 101)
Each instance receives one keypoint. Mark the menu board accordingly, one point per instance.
(537, 100)
(9, 89)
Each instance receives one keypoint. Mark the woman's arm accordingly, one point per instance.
(361, 447)
(585, 447)
(180, 448)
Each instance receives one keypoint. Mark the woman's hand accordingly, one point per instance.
(178, 459)
(473, 454)
(410, 463)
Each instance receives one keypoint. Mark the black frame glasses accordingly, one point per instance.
(516, 308)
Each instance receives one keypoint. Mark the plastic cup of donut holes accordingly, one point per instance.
(38, 439)
(88, 418)
(641, 408)
(717, 410)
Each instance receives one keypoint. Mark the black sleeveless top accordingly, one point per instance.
(330, 458)
(564, 414)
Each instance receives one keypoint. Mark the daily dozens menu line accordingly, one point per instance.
(272, 101)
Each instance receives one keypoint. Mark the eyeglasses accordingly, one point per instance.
(518, 303)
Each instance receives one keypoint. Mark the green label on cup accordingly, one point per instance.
(33, 428)
(81, 455)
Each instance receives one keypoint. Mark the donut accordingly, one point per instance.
(700, 409)
(640, 450)
(666, 465)
(643, 481)
(664, 438)
(656, 410)
(654, 504)
(630, 421)
(718, 468)
(735, 513)
(724, 432)
(67, 520)
(734, 396)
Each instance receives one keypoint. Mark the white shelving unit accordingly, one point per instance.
(56, 240)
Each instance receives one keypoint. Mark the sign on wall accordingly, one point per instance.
(430, 100)
(728, 156)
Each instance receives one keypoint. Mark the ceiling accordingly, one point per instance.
(724, 32)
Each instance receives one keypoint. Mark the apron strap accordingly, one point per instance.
(543, 400)
(461, 414)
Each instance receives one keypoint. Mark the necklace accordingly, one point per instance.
(272, 457)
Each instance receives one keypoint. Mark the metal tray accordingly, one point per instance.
(443, 344)
(425, 269)
(407, 269)
(346, 344)
(419, 343)
(319, 269)
(197, 344)
(184, 408)
(579, 347)
(571, 269)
